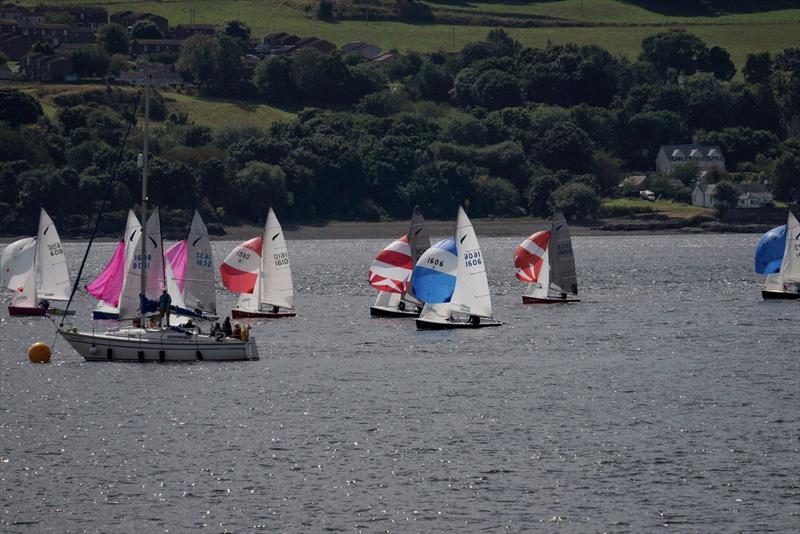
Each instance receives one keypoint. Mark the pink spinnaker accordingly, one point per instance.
(177, 256)
(108, 286)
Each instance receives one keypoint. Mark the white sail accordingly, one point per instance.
(387, 299)
(251, 302)
(790, 265)
(562, 260)
(25, 295)
(198, 289)
(16, 261)
(276, 274)
(52, 277)
(153, 262)
(541, 287)
(436, 312)
(471, 294)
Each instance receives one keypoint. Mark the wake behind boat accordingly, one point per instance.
(391, 271)
(545, 261)
(450, 278)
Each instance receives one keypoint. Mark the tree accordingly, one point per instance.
(679, 50)
(786, 176)
(432, 82)
(686, 173)
(90, 61)
(259, 186)
(757, 68)
(718, 62)
(18, 108)
(114, 39)
(494, 196)
(239, 31)
(119, 63)
(542, 187)
(726, 196)
(495, 89)
(273, 79)
(146, 29)
(575, 200)
(199, 59)
(565, 146)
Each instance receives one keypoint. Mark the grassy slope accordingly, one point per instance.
(673, 209)
(773, 27)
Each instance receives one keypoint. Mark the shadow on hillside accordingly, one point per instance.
(711, 8)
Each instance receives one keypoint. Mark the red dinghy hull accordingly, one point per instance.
(20, 311)
(537, 300)
(239, 314)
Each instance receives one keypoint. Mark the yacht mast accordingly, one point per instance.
(143, 252)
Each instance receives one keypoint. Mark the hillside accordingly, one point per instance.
(617, 25)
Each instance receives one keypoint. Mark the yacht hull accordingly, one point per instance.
(21, 311)
(241, 314)
(158, 346)
(548, 300)
(428, 324)
(390, 311)
(779, 295)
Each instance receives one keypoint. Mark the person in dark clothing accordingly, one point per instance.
(226, 326)
(164, 302)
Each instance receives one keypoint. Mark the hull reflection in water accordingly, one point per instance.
(157, 345)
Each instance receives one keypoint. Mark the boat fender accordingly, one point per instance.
(161, 356)
(93, 349)
(219, 336)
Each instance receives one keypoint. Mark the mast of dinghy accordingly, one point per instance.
(143, 250)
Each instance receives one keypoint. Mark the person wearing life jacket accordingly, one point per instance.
(237, 331)
(226, 327)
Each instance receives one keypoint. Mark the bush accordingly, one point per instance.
(494, 197)
(576, 201)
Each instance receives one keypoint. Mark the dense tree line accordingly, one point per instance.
(514, 130)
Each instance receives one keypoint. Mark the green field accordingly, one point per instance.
(668, 207)
(620, 25)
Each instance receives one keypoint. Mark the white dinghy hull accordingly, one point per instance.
(450, 324)
(156, 345)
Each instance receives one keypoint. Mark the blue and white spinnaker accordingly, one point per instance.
(434, 276)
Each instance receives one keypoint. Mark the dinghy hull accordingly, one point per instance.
(547, 300)
(167, 345)
(391, 312)
(241, 314)
(779, 295)
(427, 324)
(22, 311)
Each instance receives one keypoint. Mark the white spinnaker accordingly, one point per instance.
(52, 277)
(16, 261)
(790, 266)
(541, 288)
(198, 289)
(276, 278)
(154, 263)
(471, 294)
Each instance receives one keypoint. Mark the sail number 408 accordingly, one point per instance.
(473, 258)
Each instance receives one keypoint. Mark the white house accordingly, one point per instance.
(672, 156)
(751, 195)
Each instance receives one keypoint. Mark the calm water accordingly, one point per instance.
(669, 398)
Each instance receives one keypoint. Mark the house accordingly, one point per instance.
(8, 26)
(385, 59)
(155, 46)
(323, 46)
(184, 31)
(672, 156)
(751, 195)
(635, 182)
(129, 18)
(51, 33)
(248, 66)
(360, 48)
(81, 34)
(275, 41)
(84, 16)
(21, 14)
(40, 67)
(15, 46)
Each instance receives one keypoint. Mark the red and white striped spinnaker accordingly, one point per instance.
(239, 269)
(391, 269)
(530, 255)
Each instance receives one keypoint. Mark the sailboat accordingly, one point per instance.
(450, 278)
(545, 262)
(778, 256)
(259, 271)
(390, 272)
(16, 259)
(109, 284)
(45, 278)
(144, 277)
(191, 266)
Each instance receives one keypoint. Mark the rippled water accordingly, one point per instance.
(668, 398)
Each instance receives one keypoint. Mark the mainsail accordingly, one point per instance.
(562, 259)
(790, 265)
(153, 261)
(192, 264)
(52, 277)
(471, 294)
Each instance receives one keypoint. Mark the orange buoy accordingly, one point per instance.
(39, 352)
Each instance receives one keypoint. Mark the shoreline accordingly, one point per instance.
(515, 227)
